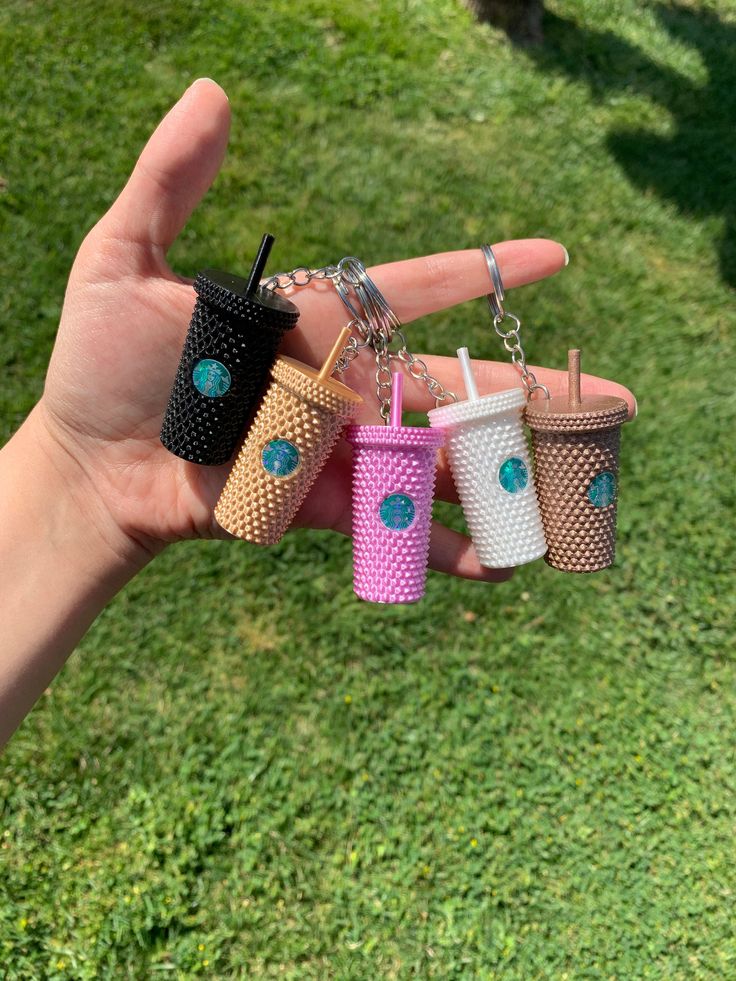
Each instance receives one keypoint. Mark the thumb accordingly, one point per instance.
(175, 169)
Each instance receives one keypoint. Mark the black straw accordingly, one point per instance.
(260, 264)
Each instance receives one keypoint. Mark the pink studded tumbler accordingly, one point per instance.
(393, 487)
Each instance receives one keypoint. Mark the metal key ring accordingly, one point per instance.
(376, 310)
(496, 298)
(344, 293)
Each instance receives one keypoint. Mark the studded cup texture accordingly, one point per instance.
(500, 505)
(393, 488)
(244, 336)
(581, 537)
(257, 505)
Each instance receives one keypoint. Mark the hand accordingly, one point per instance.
(123, 325)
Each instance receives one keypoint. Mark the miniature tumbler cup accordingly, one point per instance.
(489, 459)
(232, 340)
(295, 429)
(393, 486)
(576, 460)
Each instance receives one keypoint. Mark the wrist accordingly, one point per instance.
(62, 496)
(62, 558)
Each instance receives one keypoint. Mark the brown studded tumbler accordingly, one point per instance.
(295, 429)
(576, 460)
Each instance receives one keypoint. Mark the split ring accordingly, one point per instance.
(496, 298)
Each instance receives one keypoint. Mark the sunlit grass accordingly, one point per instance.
(246, 773)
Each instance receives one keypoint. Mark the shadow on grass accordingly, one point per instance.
(695, 167)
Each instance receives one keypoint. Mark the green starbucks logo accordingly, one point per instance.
(513, 475)
(602, 490)
(211, 378)
(280, 458)
(397, 512)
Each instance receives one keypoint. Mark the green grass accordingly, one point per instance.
(244, 772)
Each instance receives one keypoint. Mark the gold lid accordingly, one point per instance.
(305, 382)
(573, 412)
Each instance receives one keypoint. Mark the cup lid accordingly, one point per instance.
(557, 415)
(395, 436)
(575, 413)
(472, 410)
(304, 382)
(229, 292)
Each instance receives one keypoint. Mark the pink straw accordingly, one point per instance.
(397, 390)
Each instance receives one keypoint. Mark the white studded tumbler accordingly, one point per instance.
(489, 458)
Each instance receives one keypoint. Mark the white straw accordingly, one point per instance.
(471, 389)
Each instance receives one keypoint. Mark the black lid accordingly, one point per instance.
(244, 297)
(229, 293)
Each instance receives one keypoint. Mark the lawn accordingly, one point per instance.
(246, 773)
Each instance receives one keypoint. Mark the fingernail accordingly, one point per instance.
(567, 256)
(205, 78)
(636, 408)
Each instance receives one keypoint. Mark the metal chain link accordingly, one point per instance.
(383, 377)
(293, 278)
(373, 321)
(418, 369)
(516, 351)
(498, 315)
(302, 276)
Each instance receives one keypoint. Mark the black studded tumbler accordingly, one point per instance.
(232, 341)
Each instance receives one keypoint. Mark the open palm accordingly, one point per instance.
(126, 314)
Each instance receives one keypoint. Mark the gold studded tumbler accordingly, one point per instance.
(295, 429)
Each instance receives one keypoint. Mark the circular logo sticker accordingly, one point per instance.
(513, 475)
(397, 511)
(602, 490)
(280, 458)
(211, 378)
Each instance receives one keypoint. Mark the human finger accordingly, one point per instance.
(444, 487)
(416, 287)
(453, 553)
(175, 169)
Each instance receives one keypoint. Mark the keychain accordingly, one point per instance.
(489, 459)
(394, 466)
(576, 454)
(394, 470)
(231, 343)
(576, 443)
